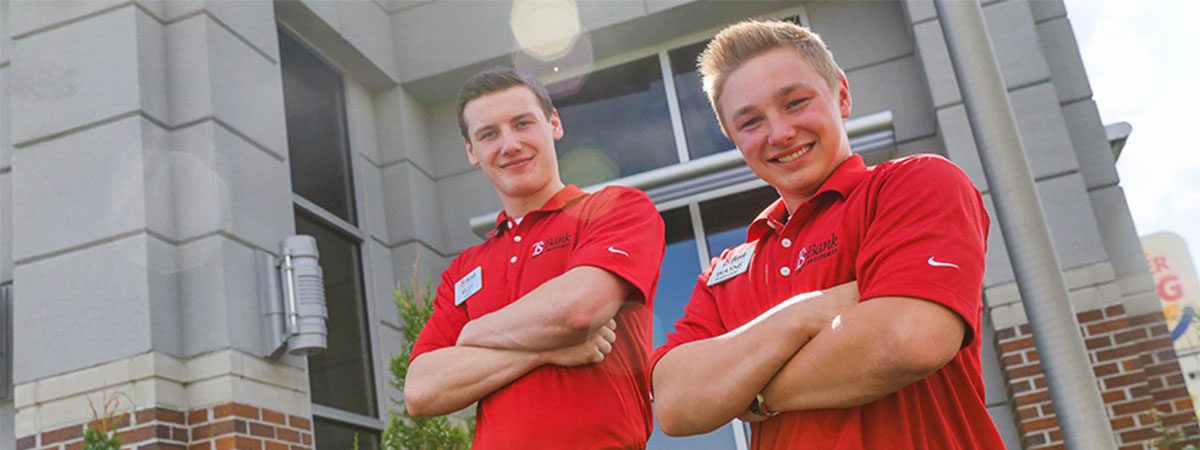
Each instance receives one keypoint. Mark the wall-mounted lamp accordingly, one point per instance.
(291, 291)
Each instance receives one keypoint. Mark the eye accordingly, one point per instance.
(750, 122)
(796, 102)
(524, 123)
(487, 136)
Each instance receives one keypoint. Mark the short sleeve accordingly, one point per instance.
(622, 233)
(701, 319)
(447, 321)
(926, 238)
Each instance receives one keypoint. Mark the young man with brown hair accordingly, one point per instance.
(547, 323)
(777, 323)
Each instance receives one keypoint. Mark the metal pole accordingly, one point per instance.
(1081, 413)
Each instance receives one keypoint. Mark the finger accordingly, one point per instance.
(612, 324)
(608, 335)
(605, 347)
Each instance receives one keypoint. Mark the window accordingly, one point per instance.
(342, 379)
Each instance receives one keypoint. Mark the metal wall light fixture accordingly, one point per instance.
(291, 292)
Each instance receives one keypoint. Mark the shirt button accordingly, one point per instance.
(785, 271)
(786, 242)
(514, 259)
(517, 238)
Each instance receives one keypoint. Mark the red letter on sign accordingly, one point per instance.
(1168, 288)
(1158, 264)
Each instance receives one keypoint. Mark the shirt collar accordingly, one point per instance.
(559, 201)
(843, 180)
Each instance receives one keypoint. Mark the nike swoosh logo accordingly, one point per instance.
(941, 264)
(611, 249)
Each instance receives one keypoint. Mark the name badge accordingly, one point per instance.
(736, 264)
(468, 286)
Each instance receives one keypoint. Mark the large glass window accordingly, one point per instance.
(342, 378)
(616, 123)
(700, 126)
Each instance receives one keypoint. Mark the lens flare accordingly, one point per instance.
(545, 29)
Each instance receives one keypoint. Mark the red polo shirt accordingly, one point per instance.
(605, 405)
(912, 227)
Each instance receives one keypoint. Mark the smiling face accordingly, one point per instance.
(787, 121)
(512, 140)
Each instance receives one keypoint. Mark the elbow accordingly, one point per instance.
(914, 355)
(416, 402)
(675, 418)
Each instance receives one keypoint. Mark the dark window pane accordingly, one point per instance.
(341, 377)
(726, 219)
(330, 435)
(677, 277)
(700, 125)
(316, 128)
(616, 123)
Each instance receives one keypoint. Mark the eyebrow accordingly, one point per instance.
(779, 93)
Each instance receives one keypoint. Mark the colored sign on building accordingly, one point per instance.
(1176, 284)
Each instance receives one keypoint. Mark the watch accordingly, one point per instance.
(759, 407)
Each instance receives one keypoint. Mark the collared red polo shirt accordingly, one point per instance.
(595, 406)
(913, 227)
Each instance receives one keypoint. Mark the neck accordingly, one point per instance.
(519, 206)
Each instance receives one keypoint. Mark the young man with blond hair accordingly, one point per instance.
(775, 332)
(547, 323)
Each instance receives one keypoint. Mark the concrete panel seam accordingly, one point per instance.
(75, 20)
(915, 138)
(5, 170)
(88, 126)
(418, 166)
(1030, 84)
(879, 63)
(1104, 186)
(1054, 175)
(416, 241)
(5, 64)
(83, 246)
(927, 19)
(239, 37)
(221, 233)
(1047, 19)
(463, 172)
(248, 139)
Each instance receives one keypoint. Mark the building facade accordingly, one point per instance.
(149, 148)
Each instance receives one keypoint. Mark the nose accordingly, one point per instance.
(508, 142)
(780, 133)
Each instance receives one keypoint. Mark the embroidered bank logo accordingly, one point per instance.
(815, 252)
(553, 243)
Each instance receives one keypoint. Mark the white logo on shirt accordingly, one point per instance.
(539, 247)
(941, 264)
(611, 249)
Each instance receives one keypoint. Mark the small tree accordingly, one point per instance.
(101, 434)
(405, 431)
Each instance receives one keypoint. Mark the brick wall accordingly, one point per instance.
(222, 427)
(1135, 366)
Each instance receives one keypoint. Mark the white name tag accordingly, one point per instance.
(468, 286)
(736, 264)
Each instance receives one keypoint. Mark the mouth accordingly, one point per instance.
(794, 155)
(516, 163)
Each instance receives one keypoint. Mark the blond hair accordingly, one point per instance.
(737, 44)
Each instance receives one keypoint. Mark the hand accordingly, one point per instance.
(593, 350)
(750, 417)
(821, 307)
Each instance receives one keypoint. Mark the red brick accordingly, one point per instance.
(117, 421)
(1027, 412)
(1032, 356)
(1106, 326)
(307, 438)
(1097, 342)
(1020, 386)
(169, 415)
(1123, 380)
(1183, 404)
(1117, 353)
(1132, 407)
(1007, 333)
(1159, 330)
(1048, 410)
(1121, 423)
(300, 447)
(1130, 336)
(62, 434)
(137, 434)
(288, 435)
(249, 443)
(272, 445)
(246, 411)
(1014, 345)
(1179, 418)
(213, 429)
(1024, 371)
(1140, 434)
(1012, 360)
(77, 445)
(274, 417)
(220, 411)
(1044, 423)
(1154, 318)
(1131, 364)
(300, 422)
(1105, 369)
(1161, 368)
(1113, 396)
(262, 430)
(27, 442)
(1025, 329)
(1034, 439)
(1035, 397)
(206, 445)
(1039, 382)
(1090, 316)
(197, 416)
(1170, 393)
(227, 443)
(1114, 310)
(179, 434)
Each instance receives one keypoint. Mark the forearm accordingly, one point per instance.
(702, 385)
(877, 348)
(449, 379)
(559, 313)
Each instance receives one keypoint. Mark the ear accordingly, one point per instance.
(470, 153)
(556, 123)
(844, 101)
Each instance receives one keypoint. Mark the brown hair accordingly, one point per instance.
(497, 79)
(737, 44)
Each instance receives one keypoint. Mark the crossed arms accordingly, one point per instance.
(799, 358)
(567, 321)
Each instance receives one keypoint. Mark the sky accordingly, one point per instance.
(1141, 61)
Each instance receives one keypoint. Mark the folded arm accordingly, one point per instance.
(451, 378)
(704, 384)
(561, 312)
(878, 347)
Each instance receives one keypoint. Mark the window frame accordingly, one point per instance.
(361, 238)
